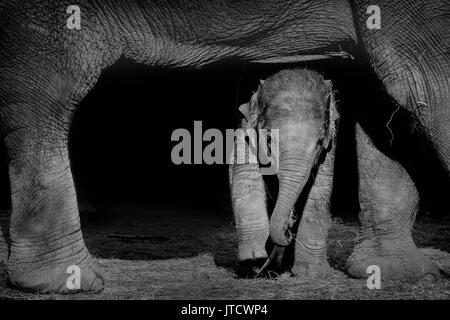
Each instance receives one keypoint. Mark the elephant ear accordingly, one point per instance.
(331, 118)
(250, 111)
(245, 110)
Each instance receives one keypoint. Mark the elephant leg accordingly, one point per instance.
(410, 57)
(250, 213)
(45, 226)
(47, 252)
(389, 203)
(86, 204)
(3, 249)
(311, 240)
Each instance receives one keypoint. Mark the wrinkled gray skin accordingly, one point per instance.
(46, 69)
(300, 104)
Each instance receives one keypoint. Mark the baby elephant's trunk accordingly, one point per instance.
(293, 175)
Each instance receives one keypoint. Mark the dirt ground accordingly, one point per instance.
(190, 254)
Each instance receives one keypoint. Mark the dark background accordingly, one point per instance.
(121, 134)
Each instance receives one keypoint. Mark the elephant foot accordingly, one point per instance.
(311, 258)
(252, 250)
(252, 256)
(57, 278)
(404, 264)
(315, 270)
(66, 269)
(263, 266)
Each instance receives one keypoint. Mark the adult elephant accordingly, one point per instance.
(46, 68)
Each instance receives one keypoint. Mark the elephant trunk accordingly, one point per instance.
(294, 172)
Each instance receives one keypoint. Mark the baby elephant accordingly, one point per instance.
(300, 104)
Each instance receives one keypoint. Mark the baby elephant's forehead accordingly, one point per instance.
(306, 105)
